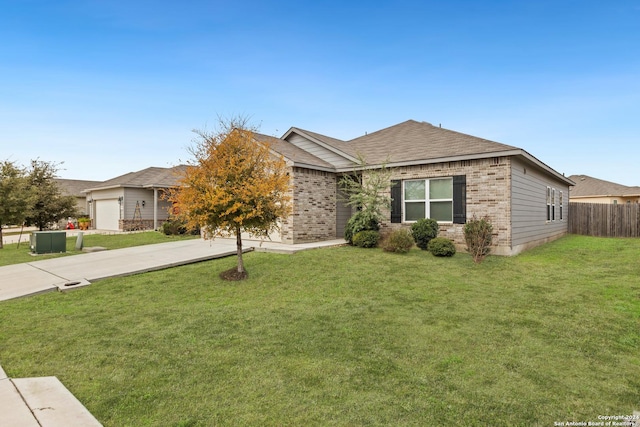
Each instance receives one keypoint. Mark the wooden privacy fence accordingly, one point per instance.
(604, 220)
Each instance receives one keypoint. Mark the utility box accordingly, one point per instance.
(47, 242)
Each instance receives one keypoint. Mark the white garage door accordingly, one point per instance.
(107, 214)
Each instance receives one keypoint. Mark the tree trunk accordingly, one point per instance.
(20, 236)
(239, 247)
(1, 244)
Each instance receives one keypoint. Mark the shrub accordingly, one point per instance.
(361, 221)
(174, 227)
(366, 239)
(441, 246)
(477, 235)
(399, 241)
(423, 231)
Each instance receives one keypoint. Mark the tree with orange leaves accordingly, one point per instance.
(234, 184)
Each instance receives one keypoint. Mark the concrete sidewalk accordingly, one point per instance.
(40, 402)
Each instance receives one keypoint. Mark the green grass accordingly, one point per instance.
(347, 336)
(14, 254)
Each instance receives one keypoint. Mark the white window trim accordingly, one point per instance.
(552, 203)
(548, 204)
(426, 201)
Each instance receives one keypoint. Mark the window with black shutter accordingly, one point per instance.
(410, 200)
(460, 199)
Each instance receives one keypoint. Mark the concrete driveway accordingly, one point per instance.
(79, 270)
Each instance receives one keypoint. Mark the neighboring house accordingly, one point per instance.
(437, 173)
(133, 201)
(74, 187)
(592, 190)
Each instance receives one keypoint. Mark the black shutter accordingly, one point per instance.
(396, 201)
(460, 199)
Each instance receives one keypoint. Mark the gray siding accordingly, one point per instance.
(529, 225)
(134, 195)
(317, 150)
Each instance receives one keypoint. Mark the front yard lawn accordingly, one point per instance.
(348, 336)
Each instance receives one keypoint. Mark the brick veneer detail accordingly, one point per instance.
(313, 217)
(488, 194)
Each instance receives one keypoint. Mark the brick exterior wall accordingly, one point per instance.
(313, 217)
(488, 194)
(313, 193)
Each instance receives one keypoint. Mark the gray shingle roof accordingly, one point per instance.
(416, 141)
(412, 143)
(149, 177)
(74, 187)
(587, 186)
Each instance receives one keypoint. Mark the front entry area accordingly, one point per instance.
(343, 212)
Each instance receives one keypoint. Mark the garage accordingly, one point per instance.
(107, 214)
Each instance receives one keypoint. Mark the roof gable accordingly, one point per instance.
(331, 150)
(293, 153)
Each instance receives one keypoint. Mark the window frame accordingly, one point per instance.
(427, 201)
(548, 204)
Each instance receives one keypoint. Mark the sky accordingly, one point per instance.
(107, 87)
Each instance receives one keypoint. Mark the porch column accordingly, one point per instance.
(155, 208)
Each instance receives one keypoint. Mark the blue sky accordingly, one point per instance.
(112, 86)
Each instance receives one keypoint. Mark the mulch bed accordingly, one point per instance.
(234, 275)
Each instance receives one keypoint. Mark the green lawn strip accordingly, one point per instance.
(14, 254)
(347, 336)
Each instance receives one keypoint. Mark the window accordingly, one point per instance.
(548, 203)
(551, 204)
(428, 198)
(561, 204)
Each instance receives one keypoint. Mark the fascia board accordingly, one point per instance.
(314, 167)
(547, 168)
(110, 187)
(293, 163)
(432, 161)
(158, 185)
(506, 153)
